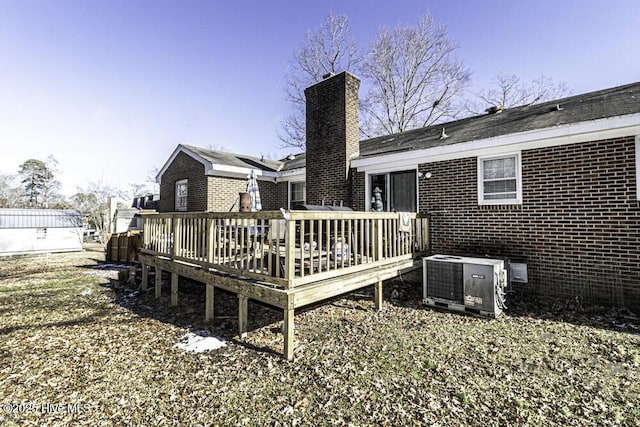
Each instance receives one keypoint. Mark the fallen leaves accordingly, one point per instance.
(70, 337)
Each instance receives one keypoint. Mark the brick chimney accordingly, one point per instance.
(332, 138)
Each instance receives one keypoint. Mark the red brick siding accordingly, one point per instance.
(358, 190)
(282, 194)
(577, 229)
(273, 196)
(212, 193)
(223, 193)
(183, 167)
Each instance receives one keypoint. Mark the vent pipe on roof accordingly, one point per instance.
(443, 135)
(495, 109)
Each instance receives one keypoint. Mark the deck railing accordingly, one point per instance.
(287, 248)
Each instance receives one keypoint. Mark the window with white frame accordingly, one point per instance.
(182, 190)
(500, 180)
(298, 194)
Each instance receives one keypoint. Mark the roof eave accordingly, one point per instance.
(610, 127)
(186, 150)
(214, 169)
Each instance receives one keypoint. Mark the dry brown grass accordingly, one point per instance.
(67, 336)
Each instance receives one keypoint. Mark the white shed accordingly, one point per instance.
(30, 231)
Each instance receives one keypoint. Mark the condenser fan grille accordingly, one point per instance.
(445, 281)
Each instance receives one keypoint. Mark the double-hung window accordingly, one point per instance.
(298, 194)
(500, 180)
(182, 190)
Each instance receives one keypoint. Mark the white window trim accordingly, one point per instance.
(185, 208)
(638, 167)
(291, 192)
(480, 186)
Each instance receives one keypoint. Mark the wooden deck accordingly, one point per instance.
(285, 259)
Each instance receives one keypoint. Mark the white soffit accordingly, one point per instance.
(292, 175)
(612, 127)
(237, 172)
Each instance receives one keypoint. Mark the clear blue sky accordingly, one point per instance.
(109, 88)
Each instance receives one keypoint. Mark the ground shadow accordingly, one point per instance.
(568, 311)
(189, 313)
(408, 293)
(79, 321)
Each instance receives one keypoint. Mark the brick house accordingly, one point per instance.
(198, 179)
(555, 185)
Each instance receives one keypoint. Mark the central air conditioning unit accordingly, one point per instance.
(473, 285)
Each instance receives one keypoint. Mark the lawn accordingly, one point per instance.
(76, 348)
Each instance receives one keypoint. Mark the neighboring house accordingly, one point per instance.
(149, 202)
(124, 220)
(128, 219)
(554, 185)
(31, 231)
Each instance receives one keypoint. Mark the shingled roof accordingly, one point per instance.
(605, 103)
(233, 159)
(292, 162)
(600, 104)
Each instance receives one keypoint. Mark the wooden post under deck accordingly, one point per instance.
(145, 276)
(208, 309)
(174, 288)
(158, 282)
(288, 333)
(378, 295)
(242, 315)
(201, 252)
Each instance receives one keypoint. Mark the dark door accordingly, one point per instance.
(403, 191)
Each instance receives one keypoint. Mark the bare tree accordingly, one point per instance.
(92, 202)
(510, 91)
(413, 78)
(151, 179)
(218, 147)
(10, 192)
(52, 196)
(329, 49)
(293, 132)
(135, 190)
